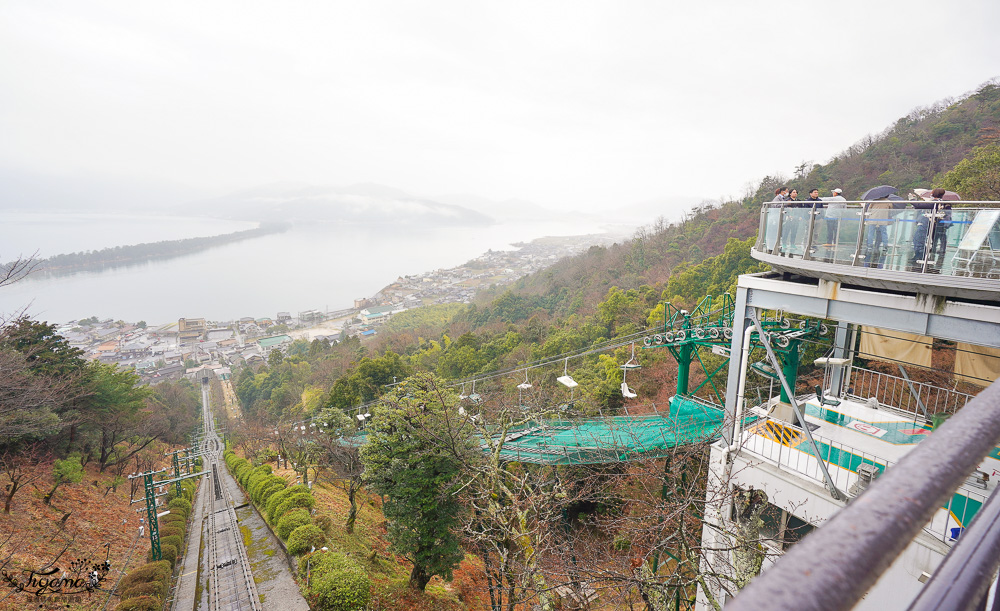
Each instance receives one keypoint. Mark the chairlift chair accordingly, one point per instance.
(632, 363)
(566, 380)
(523, 386)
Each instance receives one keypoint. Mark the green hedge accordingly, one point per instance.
(173, 519)
(338, 582)
(180, 504)
(273, 488)
(279, 497)
(175, 540)
(271, 483)
(292, 520)
(167, 552)
(302, 499)
(304, 538)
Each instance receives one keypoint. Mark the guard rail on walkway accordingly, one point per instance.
(836, 565)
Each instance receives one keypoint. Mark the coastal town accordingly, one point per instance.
(188, 347)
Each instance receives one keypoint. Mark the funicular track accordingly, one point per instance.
(229, 576)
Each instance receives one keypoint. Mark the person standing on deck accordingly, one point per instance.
(814, 202)
(880, 218)
(792, 222)
(923, 225)
(942, 222)
(834, 212)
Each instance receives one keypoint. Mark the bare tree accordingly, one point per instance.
(341, 457)
(21, 466)
(17, 269)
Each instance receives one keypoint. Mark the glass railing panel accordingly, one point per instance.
(962, 241)
(887, 231)
(771, 218)
(794, 231)
(835, 235)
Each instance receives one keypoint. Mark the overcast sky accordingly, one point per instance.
(568, 104)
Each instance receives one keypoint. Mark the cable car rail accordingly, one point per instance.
(230, 575)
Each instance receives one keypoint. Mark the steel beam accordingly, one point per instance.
(975, 323)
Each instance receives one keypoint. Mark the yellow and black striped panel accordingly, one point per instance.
(775, 431)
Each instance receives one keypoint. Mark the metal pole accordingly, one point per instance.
(837, 494)
(913, 391)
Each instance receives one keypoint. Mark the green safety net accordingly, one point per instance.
(615, 438)
(603, 440)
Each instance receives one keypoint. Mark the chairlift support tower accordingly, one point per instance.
(710, 325)
(150, 497)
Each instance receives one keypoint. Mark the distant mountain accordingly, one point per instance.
(506, 210)
(360, 203)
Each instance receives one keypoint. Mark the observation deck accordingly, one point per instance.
(877, 244)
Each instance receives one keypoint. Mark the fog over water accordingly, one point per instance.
(310, 266)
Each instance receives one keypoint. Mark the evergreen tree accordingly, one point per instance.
(414, 455)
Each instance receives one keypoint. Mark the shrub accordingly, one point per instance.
(174, 519)
(251, 476)
(152, 571)
(252, 481)
(279, 497)
(270, 489)
(168, 553)
(140, 603)
(172, 530)
(302, 499)
(338, 582)
(268, 481)
(174, 540)
(152, 588)
(180, 503)
(177, 516)
(292, 520)
(265, 455)
(305, 537)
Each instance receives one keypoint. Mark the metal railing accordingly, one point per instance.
(835, 565)
(919, 399)
(842, 462)
(962, 241)
(841, 458)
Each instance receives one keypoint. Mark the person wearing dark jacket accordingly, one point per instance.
(940, 211)
(942, 222)
(792, 222)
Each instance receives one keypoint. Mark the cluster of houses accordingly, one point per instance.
(187, 348)
(460, 284)
(193, 347)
